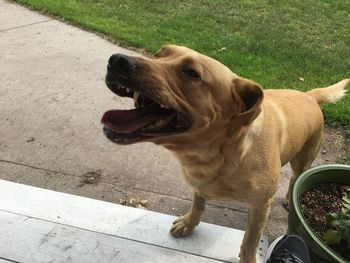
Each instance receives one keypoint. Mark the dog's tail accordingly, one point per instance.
(330, 94)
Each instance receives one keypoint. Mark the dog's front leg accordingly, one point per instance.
(185, 224)
(257, 217)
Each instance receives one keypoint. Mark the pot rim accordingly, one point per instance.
(295, 198)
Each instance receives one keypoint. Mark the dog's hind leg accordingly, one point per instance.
(185, 224)
(303, 160)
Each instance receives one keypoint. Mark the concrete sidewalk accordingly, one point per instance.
(52, 98)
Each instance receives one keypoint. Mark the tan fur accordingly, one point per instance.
(240, 137)
(330, 94)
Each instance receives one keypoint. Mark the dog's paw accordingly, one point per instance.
(181, 227)
(246, 258)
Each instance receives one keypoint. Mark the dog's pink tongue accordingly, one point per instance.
(127, 121)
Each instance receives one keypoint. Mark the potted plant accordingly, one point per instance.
(297, 223)
(339, 233)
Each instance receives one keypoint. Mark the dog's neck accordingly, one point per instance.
(212, 152)
(202, 156)
(203, 146)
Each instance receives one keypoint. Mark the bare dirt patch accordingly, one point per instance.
(335, 147)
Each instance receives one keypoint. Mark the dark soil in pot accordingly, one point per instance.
(316, 203)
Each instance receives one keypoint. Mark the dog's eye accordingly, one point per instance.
(191, 73)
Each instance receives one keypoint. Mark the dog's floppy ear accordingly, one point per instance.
(248, 95)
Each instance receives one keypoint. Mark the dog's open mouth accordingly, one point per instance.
(149, 119)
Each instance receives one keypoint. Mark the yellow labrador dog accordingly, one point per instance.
(230, 136)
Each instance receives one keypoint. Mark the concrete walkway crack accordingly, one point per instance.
(31, 24)
(36, 168)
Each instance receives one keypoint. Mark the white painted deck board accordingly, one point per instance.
(26, 239)
(208, 241)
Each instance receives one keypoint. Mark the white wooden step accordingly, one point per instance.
(39, 225)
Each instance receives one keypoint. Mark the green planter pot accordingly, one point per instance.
(319, 252)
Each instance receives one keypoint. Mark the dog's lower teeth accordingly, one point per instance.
(136, 95)
(127, 90)
(159, 123)
(163, 106)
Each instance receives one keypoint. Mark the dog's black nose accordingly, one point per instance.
(121, 63)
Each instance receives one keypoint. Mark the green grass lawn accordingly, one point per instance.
(272, 42)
